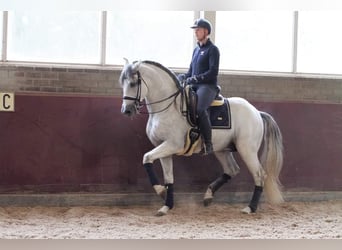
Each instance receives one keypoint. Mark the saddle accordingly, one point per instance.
(219, 110)
(219, 114)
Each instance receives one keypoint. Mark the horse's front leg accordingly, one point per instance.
(163, 152)
(167, 166)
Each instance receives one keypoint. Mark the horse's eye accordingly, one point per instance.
(132, 84)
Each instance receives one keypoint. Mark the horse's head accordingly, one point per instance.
(133, 93)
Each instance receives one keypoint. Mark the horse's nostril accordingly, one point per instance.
(127, 111)
(124, 110)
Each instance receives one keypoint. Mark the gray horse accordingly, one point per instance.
(167, 128)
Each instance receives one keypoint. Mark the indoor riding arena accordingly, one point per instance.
(71, 164)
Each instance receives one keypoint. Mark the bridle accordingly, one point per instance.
(139, 103)
(137, 98)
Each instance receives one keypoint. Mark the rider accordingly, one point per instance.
(202, 75)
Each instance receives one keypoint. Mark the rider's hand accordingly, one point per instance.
(181, 77)
(191, 80)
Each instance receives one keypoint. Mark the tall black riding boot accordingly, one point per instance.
(205, 129)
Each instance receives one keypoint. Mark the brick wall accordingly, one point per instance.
(104, 81)
(283, 88)
(59, 80)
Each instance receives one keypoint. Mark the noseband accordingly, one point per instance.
(137, 99)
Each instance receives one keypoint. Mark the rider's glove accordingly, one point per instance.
(191, 80)
(181, 77)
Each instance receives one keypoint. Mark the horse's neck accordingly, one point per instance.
(160, 86)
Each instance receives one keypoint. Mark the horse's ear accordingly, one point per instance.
(126, 61)
(135, 67)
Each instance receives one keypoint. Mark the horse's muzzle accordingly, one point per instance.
(129, 110)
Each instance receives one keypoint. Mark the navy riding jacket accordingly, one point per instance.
(205, 63)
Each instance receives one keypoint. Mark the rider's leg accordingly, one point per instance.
(205, 128)
(206, 94)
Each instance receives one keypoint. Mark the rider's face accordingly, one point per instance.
(201, 34)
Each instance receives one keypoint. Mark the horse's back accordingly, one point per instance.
(246, 118)
(239, 104)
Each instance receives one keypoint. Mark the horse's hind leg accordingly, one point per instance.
(250, 157)
(230, 169)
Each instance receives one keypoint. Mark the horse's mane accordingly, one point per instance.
(168, 71)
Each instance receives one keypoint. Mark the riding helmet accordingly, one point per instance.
(202, 23)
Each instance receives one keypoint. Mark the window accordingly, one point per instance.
(319, 42)
(255, 40)
(72, 37)
(1, 31)
(248, 40)
(162, 36)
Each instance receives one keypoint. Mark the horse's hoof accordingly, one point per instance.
(246, 210)
(207, 201)
(163, 211)
(208, 197)
(163, 194)
(160, 190)
(160, 213)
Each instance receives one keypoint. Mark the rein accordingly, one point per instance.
(139, 103)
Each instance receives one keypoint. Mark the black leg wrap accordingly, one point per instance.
(215, 185)
(151, 174)
(169, 196)
(255, 199)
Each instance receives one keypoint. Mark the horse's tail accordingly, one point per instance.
(272, 158)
